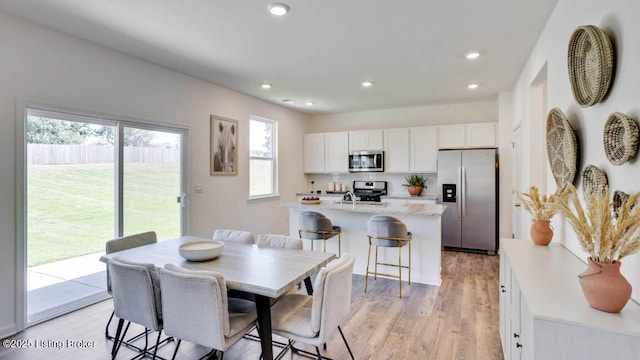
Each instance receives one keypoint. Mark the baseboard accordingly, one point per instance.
(8, 330)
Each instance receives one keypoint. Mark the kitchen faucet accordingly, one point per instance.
(353, 199)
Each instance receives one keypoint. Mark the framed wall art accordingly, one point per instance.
(224, 152)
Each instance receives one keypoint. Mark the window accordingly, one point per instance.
(262, 158)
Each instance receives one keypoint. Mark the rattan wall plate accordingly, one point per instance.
(562, 148)
(620, 138)
(593, 179)
(590, 61)
(618, 198)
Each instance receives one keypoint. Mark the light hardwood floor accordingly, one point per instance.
(458, 320)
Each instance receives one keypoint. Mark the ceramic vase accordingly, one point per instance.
(415, 190)
(604, 287)
(541, 232)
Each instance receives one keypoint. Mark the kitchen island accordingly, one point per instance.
(422, 220)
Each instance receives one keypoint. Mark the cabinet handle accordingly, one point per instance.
(515, 335)
(518, 345)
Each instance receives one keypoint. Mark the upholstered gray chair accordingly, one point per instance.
(233, 236)
(387, 231)
(308, 319)
(120, 244)
(136, 298)
(278, 241)
(316, 226)
(196, 309)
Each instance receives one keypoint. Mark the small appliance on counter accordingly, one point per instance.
(368, 190)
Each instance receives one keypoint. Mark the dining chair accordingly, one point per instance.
(278, 241)
(196, 309)
(137, 299)
(309, 318)
(316, 226)
(390, 232)
(120, 244)
(233, 235)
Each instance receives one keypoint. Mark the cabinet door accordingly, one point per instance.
(481, 135)
(336, 147)
(365, 140)
(424, 149)
(314, 153)
(515, 333)
(504, 309)
(396, 147)
(451, 137)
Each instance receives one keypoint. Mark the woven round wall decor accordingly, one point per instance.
(590, 60)
(593, 179)
(562, 148)
(618, 198)
(620, 138)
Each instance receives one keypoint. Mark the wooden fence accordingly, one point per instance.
(43, 154)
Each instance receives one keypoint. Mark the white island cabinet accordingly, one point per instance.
(544, 315)
(422, 220)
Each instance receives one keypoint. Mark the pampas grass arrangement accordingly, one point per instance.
(539, 206)
(605, 238)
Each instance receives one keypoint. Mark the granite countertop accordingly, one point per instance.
(380, 208)
(389, 196)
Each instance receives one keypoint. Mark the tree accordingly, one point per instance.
(51, 131)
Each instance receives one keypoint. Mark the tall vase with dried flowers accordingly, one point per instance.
(608, 236)
(539, 206)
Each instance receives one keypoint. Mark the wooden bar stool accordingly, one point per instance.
(316, 226)
(387, 231)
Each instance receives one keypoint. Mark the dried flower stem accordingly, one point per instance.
(538, 206)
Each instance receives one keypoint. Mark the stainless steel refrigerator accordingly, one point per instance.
(467, 184)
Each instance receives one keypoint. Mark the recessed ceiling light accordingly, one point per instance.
(309, 103)
(473, 55)
(288, 101)
(278, 9)
(472, 86)
(367, 84)
(266, 86)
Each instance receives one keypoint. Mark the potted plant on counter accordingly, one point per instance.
(608, 232)
(541, 210)
(415, 184)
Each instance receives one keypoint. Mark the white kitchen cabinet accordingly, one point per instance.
(396, 150)
(467, 136)
(423, 144)
(314, 153)
(366, 140)
(541, 303)
(336, 152)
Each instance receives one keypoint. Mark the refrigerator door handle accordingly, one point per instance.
(463, 184)
(459, 192)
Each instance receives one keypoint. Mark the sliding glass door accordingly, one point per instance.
(90, 179)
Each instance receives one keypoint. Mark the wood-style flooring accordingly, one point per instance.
(458, 320)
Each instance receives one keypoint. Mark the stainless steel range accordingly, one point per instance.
(368, 190)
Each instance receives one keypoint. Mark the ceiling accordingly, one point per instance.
(412, 50)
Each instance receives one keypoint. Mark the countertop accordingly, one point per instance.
(389, 196)
(384, 208)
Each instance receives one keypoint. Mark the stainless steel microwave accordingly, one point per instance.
(366, 160)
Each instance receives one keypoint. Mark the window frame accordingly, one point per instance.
(274, 159)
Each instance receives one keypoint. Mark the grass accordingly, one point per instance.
(70, 208)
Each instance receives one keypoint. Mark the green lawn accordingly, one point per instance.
(70, 208)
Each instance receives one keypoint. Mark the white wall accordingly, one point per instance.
(619, 19)
(45, 66)
(471, 112)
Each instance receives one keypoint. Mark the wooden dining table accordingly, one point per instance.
(264, 272)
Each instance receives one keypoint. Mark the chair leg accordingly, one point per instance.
(115, 339)
(346, 343)
(339, 245)
(175, 352)
(375, 274)
(117, 343)
(400, 269)
(409, 262)
(155, 351)
(106, 329)
(366, 274)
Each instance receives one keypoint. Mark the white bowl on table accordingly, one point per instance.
(201, 250)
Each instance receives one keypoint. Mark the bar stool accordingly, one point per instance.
(387, 231)
(315, 226)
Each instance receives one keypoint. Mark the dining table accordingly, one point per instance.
(264, 272)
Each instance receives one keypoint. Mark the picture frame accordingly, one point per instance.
(223, 158)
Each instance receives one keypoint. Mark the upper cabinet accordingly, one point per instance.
(365, 140)
(326, 153)
(314, 153)
(467, 136)
(423, 149)
(396, 150)
(336, 152)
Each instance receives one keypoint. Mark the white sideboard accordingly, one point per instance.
(544, 315)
